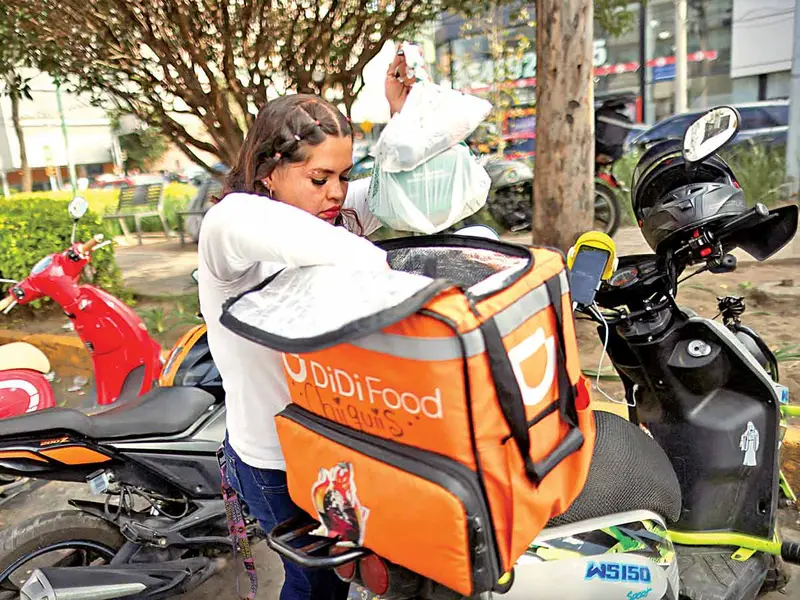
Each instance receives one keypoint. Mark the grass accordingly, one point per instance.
(102, 201)
(760, 170)
(607, 374)
(789, 353)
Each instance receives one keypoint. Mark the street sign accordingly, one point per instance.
(664, 72)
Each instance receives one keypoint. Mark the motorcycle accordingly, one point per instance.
(511, 192)
(673, 506)
(126, 360)
(510, 196)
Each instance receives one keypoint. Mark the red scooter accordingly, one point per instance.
(126, 360)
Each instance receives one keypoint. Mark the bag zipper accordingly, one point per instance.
(454, 477)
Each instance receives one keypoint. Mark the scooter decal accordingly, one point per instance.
(622, 572)
(76, 455)
(749, 445)
(340, 512)
(8, 454)
(639, 595)
(25, 386)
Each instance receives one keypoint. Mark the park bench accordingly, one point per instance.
(193, 215)
(137, 202)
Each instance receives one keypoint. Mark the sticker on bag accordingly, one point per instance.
(336, 502)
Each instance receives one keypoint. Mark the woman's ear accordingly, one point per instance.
(267, 183)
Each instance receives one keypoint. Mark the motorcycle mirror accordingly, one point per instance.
(194, 275)
(481, 231)
(710, 132)
(78, 207)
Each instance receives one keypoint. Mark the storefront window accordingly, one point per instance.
(616, 59)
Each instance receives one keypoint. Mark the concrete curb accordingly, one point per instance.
(65, 352)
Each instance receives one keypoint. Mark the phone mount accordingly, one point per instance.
(599, 241)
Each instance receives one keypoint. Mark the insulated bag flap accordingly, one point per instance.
(305, 309)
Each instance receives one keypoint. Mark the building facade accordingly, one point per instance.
(738, 51)
(93, 146)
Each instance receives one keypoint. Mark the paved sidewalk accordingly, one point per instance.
(159, 267)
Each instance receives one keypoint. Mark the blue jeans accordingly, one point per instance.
(267, 498)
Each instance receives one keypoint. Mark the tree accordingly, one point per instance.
(215, 62)
(13, 57)
(564, 176)
(143, 148)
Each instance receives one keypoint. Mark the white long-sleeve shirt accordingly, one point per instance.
(243, 240)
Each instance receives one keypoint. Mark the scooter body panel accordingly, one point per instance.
(715, 412)
(626, 556)
(23, 391)
(118, 342)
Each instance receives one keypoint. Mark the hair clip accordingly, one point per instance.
(317, 122)
(297, 137)
(278, 155)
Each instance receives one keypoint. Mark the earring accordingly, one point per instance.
(265, 183)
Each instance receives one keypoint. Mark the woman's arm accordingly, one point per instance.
(245, 229)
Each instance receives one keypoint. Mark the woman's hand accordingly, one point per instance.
(398, 83)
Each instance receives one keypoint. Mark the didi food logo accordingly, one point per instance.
(335, 500)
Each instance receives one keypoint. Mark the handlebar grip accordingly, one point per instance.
(6, 302)
(88, 246)
(759, 211)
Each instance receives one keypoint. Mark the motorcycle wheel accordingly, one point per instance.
(72, 538)
(606, 209)
(512, 207)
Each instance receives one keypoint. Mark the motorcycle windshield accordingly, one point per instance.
(768, 237)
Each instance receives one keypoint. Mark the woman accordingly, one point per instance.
(287, 201)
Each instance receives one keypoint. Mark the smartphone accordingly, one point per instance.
(587, 273)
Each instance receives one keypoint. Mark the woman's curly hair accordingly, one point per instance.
(282, 133)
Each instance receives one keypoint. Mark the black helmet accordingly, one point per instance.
(669, 199)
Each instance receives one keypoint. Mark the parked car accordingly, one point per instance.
(764, 122)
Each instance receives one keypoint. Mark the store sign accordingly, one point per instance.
(475, 73)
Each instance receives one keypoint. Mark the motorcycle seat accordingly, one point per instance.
(21, 355)
(629, 471)
(163, 411)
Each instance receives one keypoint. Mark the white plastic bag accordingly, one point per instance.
(432, 120)
(430, 198)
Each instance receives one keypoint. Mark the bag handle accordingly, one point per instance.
(509, 394)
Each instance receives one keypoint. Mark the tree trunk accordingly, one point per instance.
(564, 167)
(27, 178)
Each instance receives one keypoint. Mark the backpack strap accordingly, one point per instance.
(509, 394)
(237, 528)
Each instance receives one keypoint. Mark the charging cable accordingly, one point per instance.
(597, 313)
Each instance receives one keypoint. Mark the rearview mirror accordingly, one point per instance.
(710, 132)
(78, 207)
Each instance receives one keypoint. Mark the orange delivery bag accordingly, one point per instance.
(438, 415)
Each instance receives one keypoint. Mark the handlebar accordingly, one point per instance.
(7, 304)
(90, 245)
